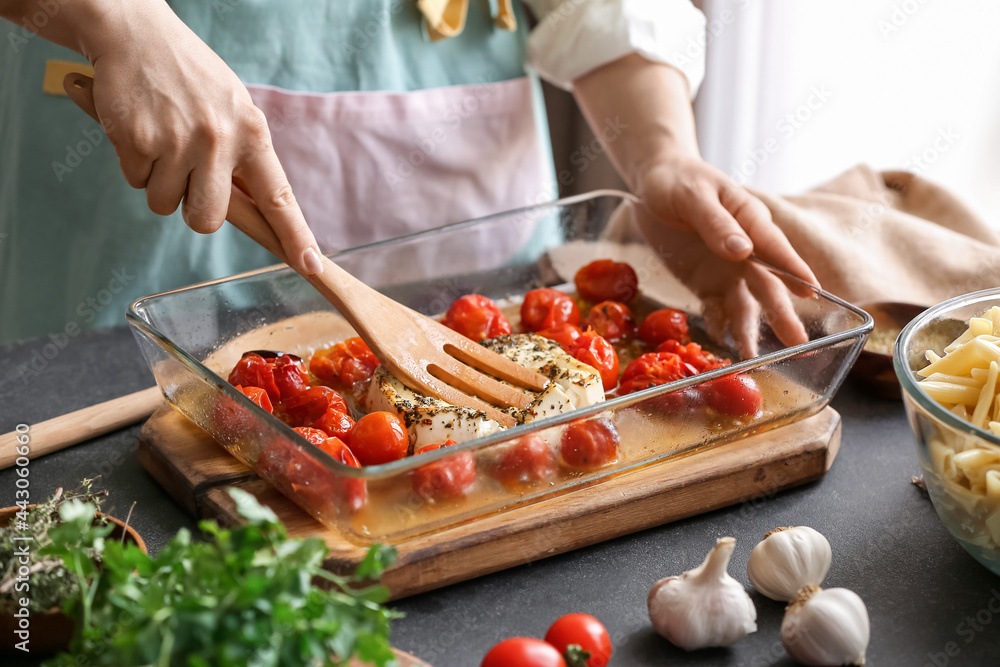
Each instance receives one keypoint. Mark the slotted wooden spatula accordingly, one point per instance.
(425, 355)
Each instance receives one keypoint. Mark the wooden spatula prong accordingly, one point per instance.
(472, 382)
(449, 394)
(485, 360)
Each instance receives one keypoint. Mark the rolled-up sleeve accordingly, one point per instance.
(574, 37)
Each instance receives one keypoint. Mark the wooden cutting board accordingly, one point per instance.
(195, 471)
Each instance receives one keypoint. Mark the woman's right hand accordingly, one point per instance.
(184, 126)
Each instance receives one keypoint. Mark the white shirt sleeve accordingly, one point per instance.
(574, 37)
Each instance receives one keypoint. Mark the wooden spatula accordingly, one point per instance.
(425, 355)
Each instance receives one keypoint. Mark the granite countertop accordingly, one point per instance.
(930, 603)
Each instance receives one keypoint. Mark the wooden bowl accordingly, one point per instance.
(51, 631)
(873, 370)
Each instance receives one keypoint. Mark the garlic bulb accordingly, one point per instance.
(788, 559)
(826, 627)
(704, 606)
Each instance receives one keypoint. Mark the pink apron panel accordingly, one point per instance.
(371, 166)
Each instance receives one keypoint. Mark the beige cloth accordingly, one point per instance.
(889, 236)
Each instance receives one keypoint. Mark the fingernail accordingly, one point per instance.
(310, 258)
(738, 244)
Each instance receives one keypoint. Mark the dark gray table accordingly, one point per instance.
(924, 593)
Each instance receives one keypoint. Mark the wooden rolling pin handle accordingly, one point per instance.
(76, 427)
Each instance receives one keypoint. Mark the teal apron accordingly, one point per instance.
(380, 131)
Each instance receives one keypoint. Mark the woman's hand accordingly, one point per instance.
(181, 122)
(702, 223)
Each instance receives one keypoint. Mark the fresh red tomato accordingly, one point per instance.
(734, 395)
(593, 350)
(379, 437)
(335, 424)
(450, 477)
(523, 652)
(310, 404)
(612, 320)
(653, 369)
(344, 365)
(585, 632)
(476, 317)
(527, 460)
(546, 308)
(313, 435)
(254, 371)
(590, 444)
(565, 334)
(692, 354)
(257, 395)
(607, 280)
(664, 324)
(289, 375)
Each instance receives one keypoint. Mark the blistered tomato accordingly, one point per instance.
(546, 308)
(379, 437)
(344, 365)
(593, 350)
(607, 280)
(664, 324)
(450, 477)
(611, 320)
(476, 317)
(590, 444)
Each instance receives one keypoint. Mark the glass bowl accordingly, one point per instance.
(192, 337)
(965, 498)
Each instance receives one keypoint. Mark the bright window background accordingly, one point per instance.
(895, 84)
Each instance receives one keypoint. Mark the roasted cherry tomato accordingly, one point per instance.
(335, 424)
(231, 418)
(565, 334)
(476, 317)
(664, 324)
(590, 444)
(257, 395)
(379, 437)
(254, 371)
(353, 489)
(612, 320)
(692, 354)
(607, 280)
(290, 375)
(653, 369)
(593, 350)
(450, 477)
(313, 435)
(523, 652)
(585, 632)
(525, 461)
(344, 365)
(546, 308)
(734, 395)
(309, 405)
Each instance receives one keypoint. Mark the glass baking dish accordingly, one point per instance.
(192, 337)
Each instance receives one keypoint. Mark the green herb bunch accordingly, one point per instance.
(50, 584)
(244, 596)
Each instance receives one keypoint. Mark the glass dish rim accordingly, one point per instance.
(912, 388)
(405, 465)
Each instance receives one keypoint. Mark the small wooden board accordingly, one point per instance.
(196, 471)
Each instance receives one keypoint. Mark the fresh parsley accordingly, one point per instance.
(246, 596)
